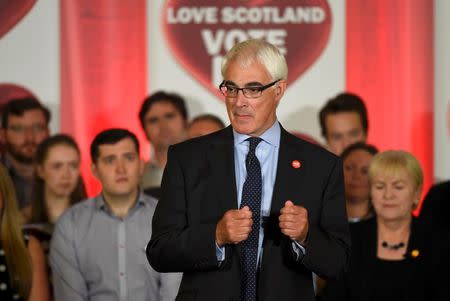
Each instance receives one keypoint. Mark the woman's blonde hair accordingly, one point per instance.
(392, 162)
(17, 256)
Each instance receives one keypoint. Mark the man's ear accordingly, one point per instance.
(95, 171)
(280, 88)
(39, 171)
(141, 167)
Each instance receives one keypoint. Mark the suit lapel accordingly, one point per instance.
(289, 180)
(221, 160)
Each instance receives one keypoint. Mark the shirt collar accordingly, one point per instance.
(271, 136)
(100, 203)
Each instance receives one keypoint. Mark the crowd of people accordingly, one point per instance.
(191, 203)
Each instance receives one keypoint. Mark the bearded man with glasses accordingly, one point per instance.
(24, 125)
(249, 212)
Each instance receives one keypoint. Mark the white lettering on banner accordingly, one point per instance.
(196, 15)
(216, 29)
(246, 15)
(225, 40)
(272, 15)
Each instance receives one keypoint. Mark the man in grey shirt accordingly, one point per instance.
(98, 246)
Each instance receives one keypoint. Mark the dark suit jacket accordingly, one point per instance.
(436, 205)
(199, 186)
(426, 272)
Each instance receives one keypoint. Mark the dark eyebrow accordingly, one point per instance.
(253, 84)
(250, 84)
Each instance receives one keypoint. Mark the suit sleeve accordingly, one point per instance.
(328, 246)
(179, 242)
(434, 206)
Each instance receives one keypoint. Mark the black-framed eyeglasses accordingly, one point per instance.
(230, 90)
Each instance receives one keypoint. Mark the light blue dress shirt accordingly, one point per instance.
(267, 154)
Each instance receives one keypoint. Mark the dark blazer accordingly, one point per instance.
(436, 205)
(426, 272)
(199, 186)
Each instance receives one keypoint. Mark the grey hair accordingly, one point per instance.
(256, 50)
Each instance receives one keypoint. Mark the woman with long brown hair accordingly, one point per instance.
(23, 274)
(57, 184)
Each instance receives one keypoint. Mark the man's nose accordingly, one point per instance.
(120, 167)
(29, 134)
(241, 100)
(66, 171)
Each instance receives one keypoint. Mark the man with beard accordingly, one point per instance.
(164, 119)
(24, 125)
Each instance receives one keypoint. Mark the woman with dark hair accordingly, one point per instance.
(57, 184)
(23, 274)
(356, 160)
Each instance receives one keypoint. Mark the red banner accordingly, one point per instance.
(390, 59)
(103, 69)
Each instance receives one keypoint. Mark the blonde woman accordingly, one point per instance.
(394, 256)
(23, 273)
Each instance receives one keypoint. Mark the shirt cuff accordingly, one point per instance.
(299, 250)
(220, 253)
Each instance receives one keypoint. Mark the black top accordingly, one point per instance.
(7, 292)
(389, 280)
(417, 278)
(436, 205)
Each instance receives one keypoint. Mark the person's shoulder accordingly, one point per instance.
(148, 200)
(207, 139)
(362, 236)
(77, 213)
(33, 244)
(363, 223)
(197, 146)
(308, 148)
(441, 188)
(363, 227)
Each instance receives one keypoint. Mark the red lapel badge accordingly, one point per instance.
(296, 164)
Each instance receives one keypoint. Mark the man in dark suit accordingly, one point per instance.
(436, 205)
(249, 212)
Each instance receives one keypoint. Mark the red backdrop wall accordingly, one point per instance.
(389, 62)
(103, 69)
(390, 58)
